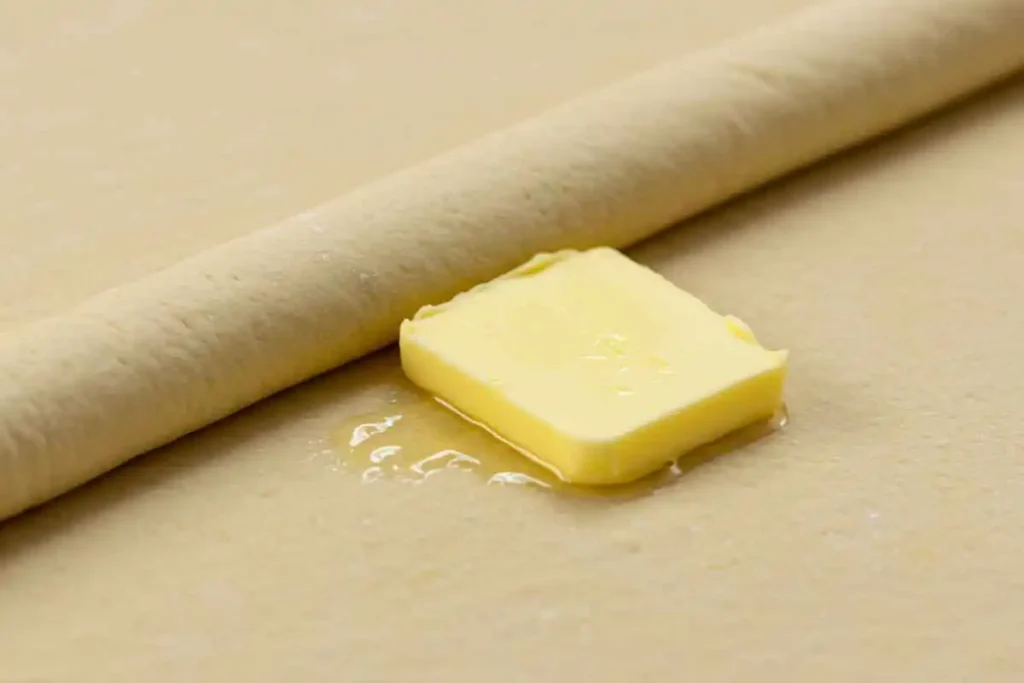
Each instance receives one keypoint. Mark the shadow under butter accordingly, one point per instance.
(414, 438)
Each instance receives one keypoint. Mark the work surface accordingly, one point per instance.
(876, 537)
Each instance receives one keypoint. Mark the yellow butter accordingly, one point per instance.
(593, 365)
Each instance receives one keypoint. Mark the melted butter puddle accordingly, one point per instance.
(418, 439)
(415, 438)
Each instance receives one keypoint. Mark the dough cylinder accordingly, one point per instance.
(143, 364)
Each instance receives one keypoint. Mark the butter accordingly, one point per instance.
(593, 365)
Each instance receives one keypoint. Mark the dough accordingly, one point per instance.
(176, 351)
(876, 537)
(877, 533)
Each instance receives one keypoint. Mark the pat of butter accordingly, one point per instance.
(593, 365)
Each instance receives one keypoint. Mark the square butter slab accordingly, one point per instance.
(593, 365)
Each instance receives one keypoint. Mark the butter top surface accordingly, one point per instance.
(591, 342)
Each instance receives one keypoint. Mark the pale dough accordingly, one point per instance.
(154, 360)
(876, 539)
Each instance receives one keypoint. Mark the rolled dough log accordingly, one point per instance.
(141, 365)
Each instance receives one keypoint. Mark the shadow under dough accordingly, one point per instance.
(172, 464)
(788, 192)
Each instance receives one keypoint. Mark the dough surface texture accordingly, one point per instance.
(876, 537)
(147, 362)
